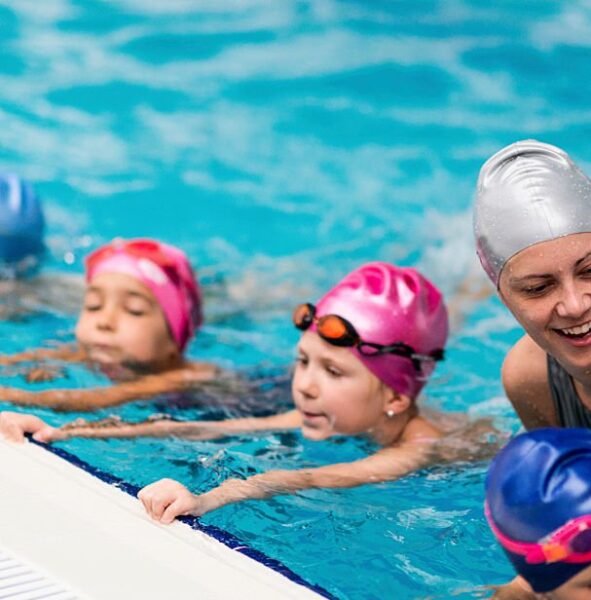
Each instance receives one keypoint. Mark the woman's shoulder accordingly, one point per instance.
(525, 379)
(524, 366)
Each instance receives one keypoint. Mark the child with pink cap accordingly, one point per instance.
(141, 307)
(367, 349)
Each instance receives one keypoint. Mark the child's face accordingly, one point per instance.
(122, 324)
(334, 392)
(577, 588)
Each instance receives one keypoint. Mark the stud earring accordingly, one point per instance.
(390, 413)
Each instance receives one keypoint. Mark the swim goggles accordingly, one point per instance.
(148, 249)
(570, 543)
(339, 332)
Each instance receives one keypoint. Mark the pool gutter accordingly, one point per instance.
(97, 540)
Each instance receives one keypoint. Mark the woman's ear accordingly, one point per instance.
(395, 403)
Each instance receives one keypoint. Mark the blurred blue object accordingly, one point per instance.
(21, 226)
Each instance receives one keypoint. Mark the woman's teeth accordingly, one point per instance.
(578, 330)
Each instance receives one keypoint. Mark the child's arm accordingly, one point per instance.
(14, 426)
(167, 499)
(518, 589)
(65, 352)
(95, 398)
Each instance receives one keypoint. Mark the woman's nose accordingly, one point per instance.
(575, 301)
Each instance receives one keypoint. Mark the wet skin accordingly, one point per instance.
(122, 324)
(335, 394)
(547, 287)
(576, 588)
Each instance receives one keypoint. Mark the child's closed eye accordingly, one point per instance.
(301, 359)
(334, 371)
(92, 302)
(92, 306)
(137, 307)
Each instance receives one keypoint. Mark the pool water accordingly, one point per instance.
(283, 144)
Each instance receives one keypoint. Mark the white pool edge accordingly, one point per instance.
(97, 541)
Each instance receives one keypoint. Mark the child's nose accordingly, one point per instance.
(107, 319)
(306, 384)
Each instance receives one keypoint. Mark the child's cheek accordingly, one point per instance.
(81, 329)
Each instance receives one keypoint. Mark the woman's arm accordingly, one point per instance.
(14, 426)
(167, 499)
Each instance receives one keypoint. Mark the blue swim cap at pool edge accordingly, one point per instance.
(21, 224)
(536, 484)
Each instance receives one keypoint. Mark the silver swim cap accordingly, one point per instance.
(527, 193)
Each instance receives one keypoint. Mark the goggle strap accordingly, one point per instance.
(549, 549)
(303, 320)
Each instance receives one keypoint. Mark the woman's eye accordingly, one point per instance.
(301, 360)
(136, 312)
(536, 290)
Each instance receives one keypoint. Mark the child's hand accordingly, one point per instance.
(167, 499)
(43, 374)
(13, 427)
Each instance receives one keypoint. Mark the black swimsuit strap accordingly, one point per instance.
(571, 412)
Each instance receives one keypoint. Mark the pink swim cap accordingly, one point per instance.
(164, 270)
(387, 305)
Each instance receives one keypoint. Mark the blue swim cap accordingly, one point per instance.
(21, 224)
(539, 482)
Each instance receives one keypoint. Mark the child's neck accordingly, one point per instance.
(391, 429)
(129, 371)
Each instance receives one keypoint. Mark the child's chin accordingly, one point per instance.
(315, 435)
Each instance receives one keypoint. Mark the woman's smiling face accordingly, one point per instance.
(547, 287)
(334, 392)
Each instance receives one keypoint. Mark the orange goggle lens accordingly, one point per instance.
(332, 327)
(303, 316)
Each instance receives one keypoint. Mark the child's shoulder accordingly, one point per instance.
(421, 428)
(454, 435)
(199, 371)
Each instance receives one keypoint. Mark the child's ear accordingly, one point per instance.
(395, 403)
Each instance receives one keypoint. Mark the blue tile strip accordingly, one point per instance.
(220, 535)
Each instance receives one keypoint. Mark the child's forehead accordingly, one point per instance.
(311, 343)
(119, 283)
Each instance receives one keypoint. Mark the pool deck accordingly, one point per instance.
(97, 541)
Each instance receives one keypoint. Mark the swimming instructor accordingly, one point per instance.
(532, 222)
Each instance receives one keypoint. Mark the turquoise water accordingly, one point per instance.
(282, 144)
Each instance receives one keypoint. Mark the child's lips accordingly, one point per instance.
(311, 417)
